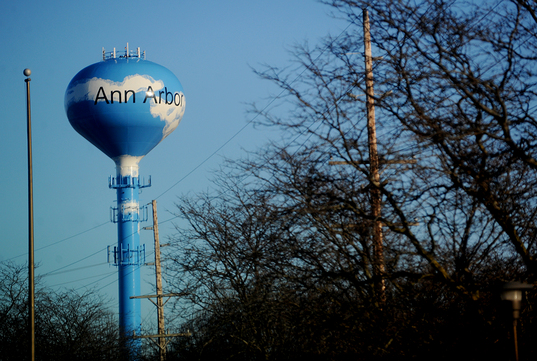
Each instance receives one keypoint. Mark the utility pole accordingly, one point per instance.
(374, 164)
(378, 247)
(161, 332)
(158, 274)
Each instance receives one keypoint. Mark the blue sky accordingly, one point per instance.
(210, 46)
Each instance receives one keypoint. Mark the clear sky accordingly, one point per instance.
(209, 45)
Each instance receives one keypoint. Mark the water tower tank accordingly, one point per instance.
(125, 105)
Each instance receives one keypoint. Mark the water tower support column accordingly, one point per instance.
(128, 254)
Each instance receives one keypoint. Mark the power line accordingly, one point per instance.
(60, 241)
(108, 274)
(255, 117)
(54, 273)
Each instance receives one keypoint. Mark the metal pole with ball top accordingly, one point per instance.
(31, 287)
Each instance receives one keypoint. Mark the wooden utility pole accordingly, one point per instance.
(378, 247)
(374, 164)
(158, 274)
(161, 333)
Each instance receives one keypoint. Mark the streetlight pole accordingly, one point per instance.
(31, 293)
(514, 292)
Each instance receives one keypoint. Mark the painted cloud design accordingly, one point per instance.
(88, 90)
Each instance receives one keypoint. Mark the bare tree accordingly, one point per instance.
(461, 81)
(69, 326)
(455, 97)
(464, 79)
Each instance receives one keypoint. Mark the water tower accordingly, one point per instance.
(126, 105)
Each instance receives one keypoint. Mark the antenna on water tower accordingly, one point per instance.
(125, 106)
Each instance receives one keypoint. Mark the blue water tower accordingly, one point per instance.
(126, 105)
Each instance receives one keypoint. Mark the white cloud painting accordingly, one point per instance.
(88, 91)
